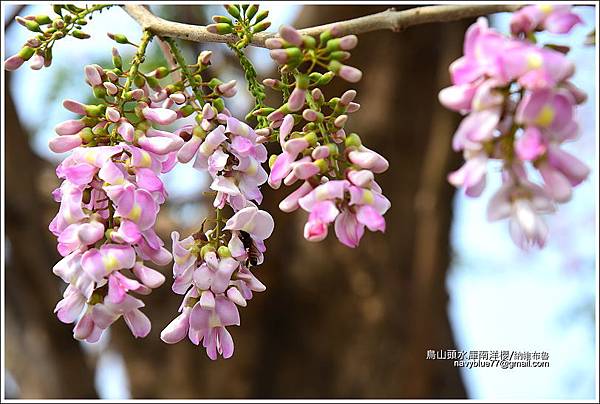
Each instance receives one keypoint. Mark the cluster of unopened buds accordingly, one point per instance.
(37, 50)
(520, 108)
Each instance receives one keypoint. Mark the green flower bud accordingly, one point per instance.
(251, 11)
(221, 19)
(302, 81)
(187, 110)
(333, 45)
(322, 164)
(263, 111)
(309, 42)
(261, 26)
(219, 104)
(212, 84)
(325, 37)
(311, 138)
(333, 149)
(95, 110)
(315, 76)
(199, 132)
(233, 10)
(58, 23)
(99, 92)
(221, 28)
(80, 34)
(224, 252)
(325, 79)
(340, 55)
(86, 135)
(272, 159)
(43, 19)
(32, 26)
(119, 38)
(153, 83)
(352, 140)
(206, 249)
(139, 81)
(262, 14)
(81, 21)
(334, 66)
(26, 53)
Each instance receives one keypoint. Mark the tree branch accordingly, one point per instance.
(388, 19)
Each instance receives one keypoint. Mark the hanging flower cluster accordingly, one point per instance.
(520, 108)
(109, 200)
(38, 49)
(336, 170)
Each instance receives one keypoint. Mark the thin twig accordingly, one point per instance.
(388, 19)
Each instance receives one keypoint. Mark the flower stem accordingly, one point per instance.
(138, 59)
(176, 52)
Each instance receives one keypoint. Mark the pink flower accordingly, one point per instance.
(557, 19)
(321, 215)
(471, 175)
(527, 228)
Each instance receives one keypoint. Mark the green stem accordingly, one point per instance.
(176, 52)
(218, 227)
(138, 59)
(255, 87)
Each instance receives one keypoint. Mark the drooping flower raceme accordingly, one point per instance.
(215, 280)
(336, 170)
(520, 108)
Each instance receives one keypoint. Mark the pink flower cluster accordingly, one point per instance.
(227, 148)
(214, 281)
(520, 108)
(109, 200)
(212, 269)
(336, 170)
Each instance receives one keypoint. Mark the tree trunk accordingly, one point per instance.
(40, 351)
(336, 322)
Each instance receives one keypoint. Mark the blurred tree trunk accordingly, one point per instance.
(336, 322)
(41, 353)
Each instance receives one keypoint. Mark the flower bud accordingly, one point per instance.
(221, 28)
(251, 11)
(325, 79)
(224, 252)
(353, 140)
(37, 62)
(286, 56)
(340, 121)
(26, 53)
(308, 42)
(33, 42)
(111, 89)
(43, 19)
(348, 73)
(274, 43)
(339, 55)
(221, 19)
(219, 104)
(58, 23)
(261, 26)
(290, 34)
(119, 38)
(116, 58)
(206, 249)
(296, 100)
(233, 10)
(79, 34)
(112, 114)
(352, 107)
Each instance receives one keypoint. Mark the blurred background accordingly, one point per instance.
(334, 322)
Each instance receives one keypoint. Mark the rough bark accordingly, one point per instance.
(40, 351)
(336, 322)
